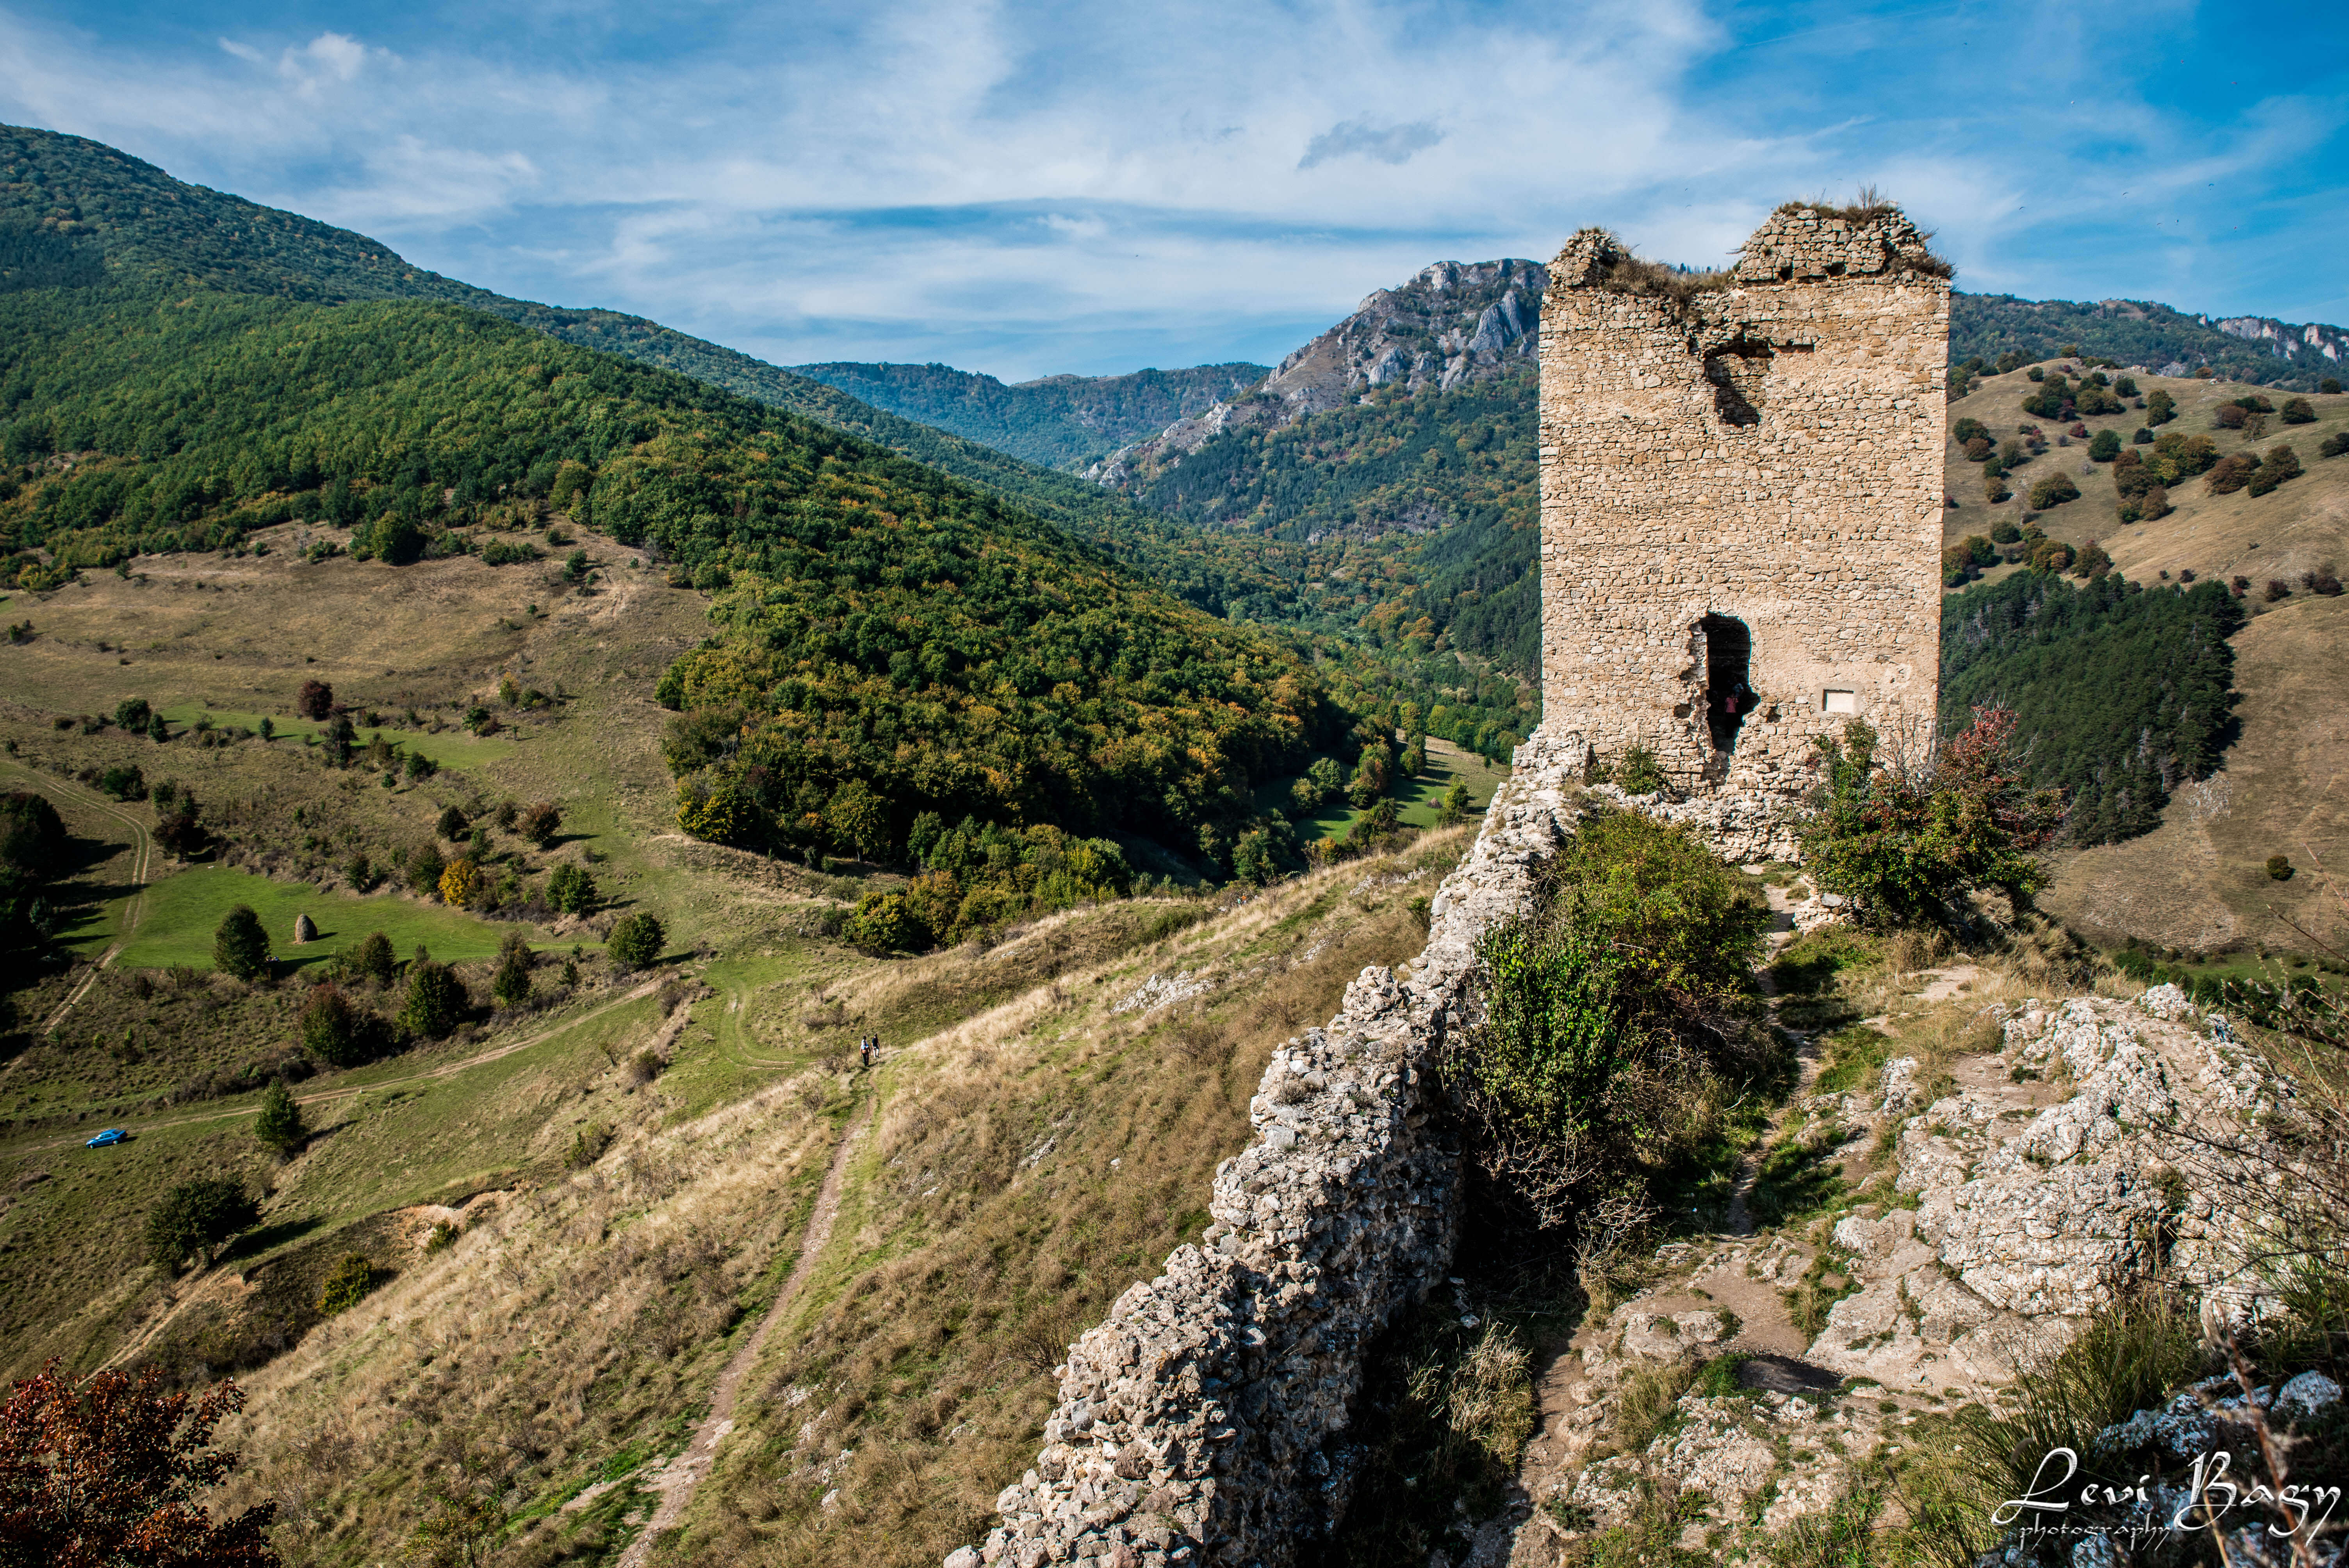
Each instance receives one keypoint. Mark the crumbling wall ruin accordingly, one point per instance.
(1196, 1424)
(1763, 450)
(1742, 498)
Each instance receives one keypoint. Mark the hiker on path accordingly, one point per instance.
(864, 1047)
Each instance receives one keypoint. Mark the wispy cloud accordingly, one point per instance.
(1045, 187)
(1363, 138)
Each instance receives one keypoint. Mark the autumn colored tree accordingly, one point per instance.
(539, 823)
(108, 1474)
(458, 883)
(315, 701)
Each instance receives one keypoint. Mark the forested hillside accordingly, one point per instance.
(891, 641)
(2120, 692)
(1059, 421)
(68, 202)
(2257, 349)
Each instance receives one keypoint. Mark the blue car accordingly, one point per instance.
(107, 1140)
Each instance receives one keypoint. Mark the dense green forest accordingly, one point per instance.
(890, 640)
(69, 202)
(2120, 692)
(73, 201)
(1059, 421)
(1447, 482)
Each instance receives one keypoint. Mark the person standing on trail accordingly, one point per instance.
(864, 1049)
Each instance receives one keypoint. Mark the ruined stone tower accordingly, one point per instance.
(1741, 506)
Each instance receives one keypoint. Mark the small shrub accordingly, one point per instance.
(539, 823)
(348, 1284)
(511, 985)
(337, 1030)
(570, 889)
(2298, 411)
(442, 1236)
(2106, 447)
(1638, 773)
(2277, 590)
(315, 701)
(2229, 417)
(587, 1146)
(2325, 580)
(2279, 867)
(1901, 849)
(636, 939)
(373, 959)
(124, 781)
(132, 713)
(193, 1217)
(2053, 492)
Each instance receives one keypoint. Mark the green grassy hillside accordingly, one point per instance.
(72, 208)
(1059, 421)
(944, 650)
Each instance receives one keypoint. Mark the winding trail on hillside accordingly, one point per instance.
(678, 1479)
(142, 859)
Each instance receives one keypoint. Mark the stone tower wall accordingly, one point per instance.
(1767, 449)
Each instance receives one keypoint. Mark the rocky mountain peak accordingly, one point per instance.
(1451, 321)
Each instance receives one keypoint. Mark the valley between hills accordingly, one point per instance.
(694, 721)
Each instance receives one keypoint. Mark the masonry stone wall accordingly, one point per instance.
(1766, 450)
(1202, 1422)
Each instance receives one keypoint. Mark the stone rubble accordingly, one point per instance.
(1202, 1422)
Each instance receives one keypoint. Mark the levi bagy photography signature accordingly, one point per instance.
(2208, 1496)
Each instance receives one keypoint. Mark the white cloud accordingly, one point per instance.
(1031, 185)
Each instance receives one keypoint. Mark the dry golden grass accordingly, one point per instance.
(567, 1339)
(2199, 882)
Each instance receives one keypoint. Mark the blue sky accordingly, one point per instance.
(1030, 188)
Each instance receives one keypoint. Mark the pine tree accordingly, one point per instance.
(240, 947)
(280, 1125)
(510, 984)
(436, 1000)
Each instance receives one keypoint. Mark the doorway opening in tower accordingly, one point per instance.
(1728, 695)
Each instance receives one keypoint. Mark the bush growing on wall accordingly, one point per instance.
(1904, 846)
(1616, 1019)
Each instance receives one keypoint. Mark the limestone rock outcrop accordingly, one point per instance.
(1195, 1424)
(1455, 322)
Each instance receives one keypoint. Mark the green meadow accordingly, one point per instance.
(183, 912)
(450, 748)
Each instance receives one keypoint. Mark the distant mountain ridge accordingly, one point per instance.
(66, 200)
(1450, 323)
(1056, 420)
(2259, 349)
